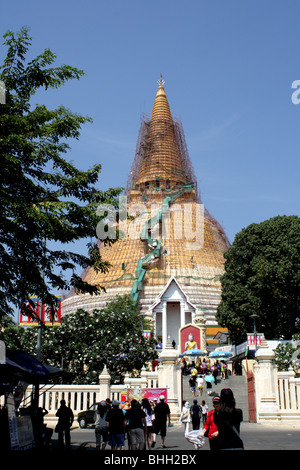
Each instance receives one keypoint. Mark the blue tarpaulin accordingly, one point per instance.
(24, 366)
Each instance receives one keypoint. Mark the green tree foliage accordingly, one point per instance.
(43, 197)
(262, 277)
(85, 342)
(287, 355)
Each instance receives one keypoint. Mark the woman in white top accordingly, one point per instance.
(199, 381)
(146, 407)
(204, 411)
(185, 416)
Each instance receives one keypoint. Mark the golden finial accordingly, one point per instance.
(161, 82)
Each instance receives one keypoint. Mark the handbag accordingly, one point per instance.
(57, 428)
(185, 415)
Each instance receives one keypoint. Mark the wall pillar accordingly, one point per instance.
(169, 376)
(182, 314)
(164, 324)
(104, 382)
(265, 374)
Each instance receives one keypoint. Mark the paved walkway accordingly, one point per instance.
(255, 437)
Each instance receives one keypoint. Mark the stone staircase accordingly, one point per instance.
(237, 383)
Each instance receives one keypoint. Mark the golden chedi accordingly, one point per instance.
(170, 257)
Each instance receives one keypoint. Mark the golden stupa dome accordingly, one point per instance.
(172, 236)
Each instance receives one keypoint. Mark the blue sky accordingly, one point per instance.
(228, 68)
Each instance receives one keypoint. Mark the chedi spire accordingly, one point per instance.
(161, 162)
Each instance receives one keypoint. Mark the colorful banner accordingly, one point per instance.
(26, 320)
(147, 334)
(251, 340)
(140, 393)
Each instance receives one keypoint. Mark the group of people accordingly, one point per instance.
(194, 414)
(204, 367)
(221, 425)
(142, 422)
(205, 373)
(139, 422)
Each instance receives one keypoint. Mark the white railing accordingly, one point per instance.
(288, 394)
(81, 397)
(77, 397)
(277, 394)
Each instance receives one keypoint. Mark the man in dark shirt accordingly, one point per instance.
(137, 426)
(65, 421)
(115, 426)
(196, 415)
(162, 413)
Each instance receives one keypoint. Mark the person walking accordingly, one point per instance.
(162, 415)
(41, 433)
(204, 409)
(196, 413)
(183, 366)
(149, 412)
(228, 421)
(137, 426)
(209, 379)
(185, 417)
(192, 383)
(194, 370)
(214, 370)
(65, 421)
(210, 429)
(115, 422)
(199, 381)
(100, 425)
(125, 408)
(223, 370)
